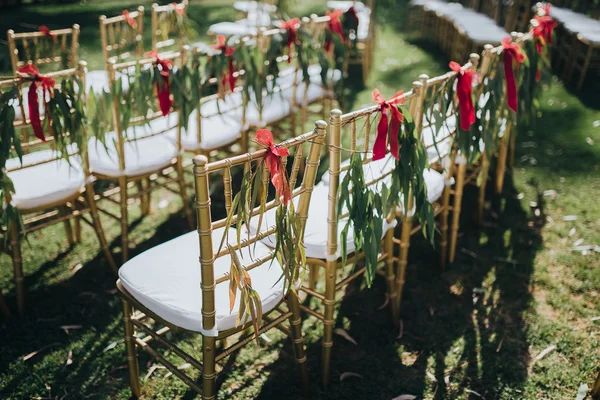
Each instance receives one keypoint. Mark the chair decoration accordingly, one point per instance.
(172, 19)
(513, 57)
(291, 27)
(131, 21)
(224, 65)
(543, 32)
(464, 92)
(368, 206)
(288, 251)
(380, 146)
(161, 74)
(32, 73)
(46, 31)
(334, 28)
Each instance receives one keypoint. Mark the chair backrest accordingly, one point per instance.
(139, 118)
(54, 49)
(491, 8)
(517, 15)
(122, 36)
(66, 143)
(241, 165)
(167, 25)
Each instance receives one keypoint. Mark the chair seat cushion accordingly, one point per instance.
(247, 6)
(371, 170)
(231, 28)
(217, 131)
(97, 80)
(142, 156)
(166, 279)
(45, 184)
(314, 93)
(275, 108)
(587, 28)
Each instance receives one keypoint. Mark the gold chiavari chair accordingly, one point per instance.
(518, 15)
(122, 39)
(144, 153)
(194, 297)
(50, 186)
(57, 47)
(167, 21)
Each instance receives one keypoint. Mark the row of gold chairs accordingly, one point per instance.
(148, 154)
(152, 307)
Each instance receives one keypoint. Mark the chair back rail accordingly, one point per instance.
(120, 40)
(60, 47)
(28, 142)
(203, 170)
(162, 27)
(114, 74)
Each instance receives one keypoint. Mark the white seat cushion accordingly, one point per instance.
(166, 279)
(371, 170)
(314, 93)
(345, 5)
(315, 234)
(231, 28)
(247, 6)
(217, 131)
(142, 156)
(275, 108)
(47, 183)
(217, 106)
(97, 80)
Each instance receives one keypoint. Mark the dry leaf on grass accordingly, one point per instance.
(475, 393)
(570, 218)
(385, 303)
(405, 397)
(67, 328)
(349, 375)
(401, 332)
(544, 353)
(432, 377)
(345, 335)
(582, 392)
(33, 353)
(152, 369)
(69, 358)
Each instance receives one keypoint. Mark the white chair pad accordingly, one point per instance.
(371, 170)
(217, 131)
(97, 80)
(314, 93)
(345, 5)
(166, 279)
(218, 106)
(45, 184)
(142, 156)
(247, 6)
(275, 108)
(231, 28)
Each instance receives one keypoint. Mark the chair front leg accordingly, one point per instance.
(328, 322)
(298, 341)
(209, 375)
(64, 211)
(89, 191)
(15, 251)
(485, 167)
(132, 360)
(456, 208)
(124, 219)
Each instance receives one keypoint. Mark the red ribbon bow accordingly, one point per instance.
(543, 31)
(544, 9)
(130, 20)
(46, 31)
(163, 89)
(47, 84)
(291, 26)
(178, 8)
(380, 146)
(512, 58)
(227, 51)
(464, 91)
(335, 27)
(274, 165)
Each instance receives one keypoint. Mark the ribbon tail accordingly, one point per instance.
(538, 74)
(394, 127)
(465, 103)
(164, 96)
(34, 112)
(379, 147)
(231, 75)
(511, 83)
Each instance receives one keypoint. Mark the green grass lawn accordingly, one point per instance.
(472, 332)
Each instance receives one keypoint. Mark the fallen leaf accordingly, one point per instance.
(570, 218)
(475, 393)
(33, 353)
(163, 203)
(572, 232)
(405, 397)
(589, 141)
(345, 335)
(265, 338)
(76, 268)
(385, 303)
(578, 242)
(595, 319)
(153, 368)
(69, 358)
(401, 332)
(432, 377)
(112, 291)
(544, 353)
(596, 123)
(349, 375)
(550, 193)
(447, 380)
(67, 328)
(112, 345)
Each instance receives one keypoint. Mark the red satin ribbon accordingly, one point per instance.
(163, 90)
(47, 84)
(335, 27)
(178, 8)
(544, 9)
(512, 58)
(46, 31)
(291, 26)
(130, 20)
(274, 165)
(380, 146)
(464, 91)
(543, 31)
(227, 51)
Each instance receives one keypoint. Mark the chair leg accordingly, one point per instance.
(456, 208)
(143, 197)
(209, 375)
(328, 322)
(132, 360)
(124, 220)
(586, 65)
(63, 210)
(596, 388)
(390, 260)
(407, 225)
(15, 245)
(77, 223)
(511, 151)
(501, 164)
(298, 341)
(485, 168)
(313, 275)
(98, 227)
(186, 204)
(444, 227)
